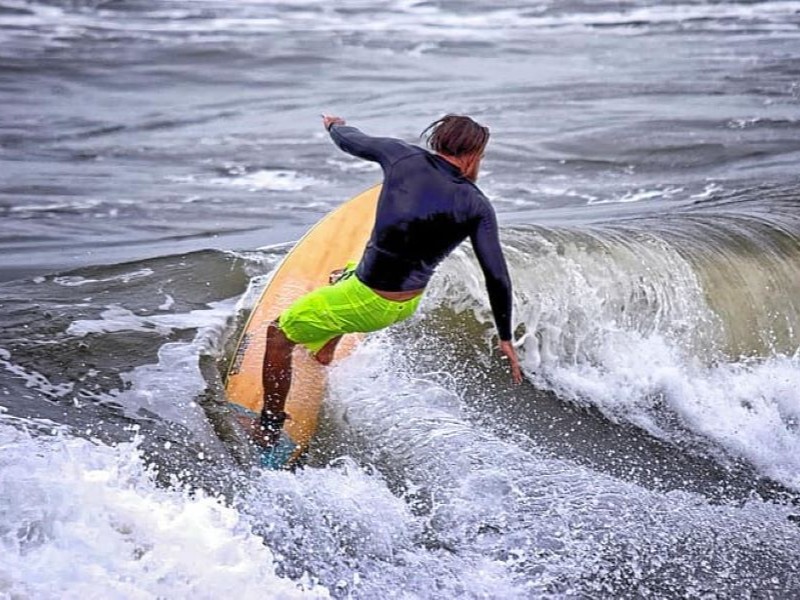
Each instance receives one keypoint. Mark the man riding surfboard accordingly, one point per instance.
(428, 205)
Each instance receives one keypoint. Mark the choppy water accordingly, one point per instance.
(643, 162)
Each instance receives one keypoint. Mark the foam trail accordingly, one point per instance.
(170, 387)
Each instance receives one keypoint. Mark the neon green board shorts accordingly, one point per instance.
(348, 306)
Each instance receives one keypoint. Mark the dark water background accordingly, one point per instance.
(158, 158)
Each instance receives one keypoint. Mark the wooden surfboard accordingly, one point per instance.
(338, 238)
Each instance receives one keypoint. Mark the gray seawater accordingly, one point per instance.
(157, 159)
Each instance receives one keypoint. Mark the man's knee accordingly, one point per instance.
(325, 354)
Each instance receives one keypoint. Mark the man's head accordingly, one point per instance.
(460, 140)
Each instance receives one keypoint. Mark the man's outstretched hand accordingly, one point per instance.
(507, 348)
(328, 120)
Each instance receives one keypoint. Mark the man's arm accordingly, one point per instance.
(486, 243)
(382, 150)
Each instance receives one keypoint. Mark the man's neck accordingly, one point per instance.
(459, 162)
(463, 163)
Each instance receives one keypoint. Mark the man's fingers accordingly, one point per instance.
(511, 354)
(516, 372)
(328, 120)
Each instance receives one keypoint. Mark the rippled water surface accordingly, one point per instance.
(157, 159)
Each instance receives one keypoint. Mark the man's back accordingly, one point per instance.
(426, 208)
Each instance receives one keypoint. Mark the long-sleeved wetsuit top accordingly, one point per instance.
(426, 208)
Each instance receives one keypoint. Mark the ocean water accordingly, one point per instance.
(158, 159)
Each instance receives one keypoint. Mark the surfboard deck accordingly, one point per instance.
(337, 238)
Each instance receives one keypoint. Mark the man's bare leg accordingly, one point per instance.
(276, 376)
(325, 355)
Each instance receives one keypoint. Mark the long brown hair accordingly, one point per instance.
(456, 135)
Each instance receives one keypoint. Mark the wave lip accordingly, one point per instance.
(684, 325)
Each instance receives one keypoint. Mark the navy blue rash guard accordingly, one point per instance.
(426, 208)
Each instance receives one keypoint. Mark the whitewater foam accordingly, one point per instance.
(550, 527)
(667, 193)
(273, 180)
(750, 409)
(81, 520)
(411, 18)
(77, 280)
(115, 318)
(33, 379)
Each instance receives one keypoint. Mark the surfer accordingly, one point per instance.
(428, 205)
